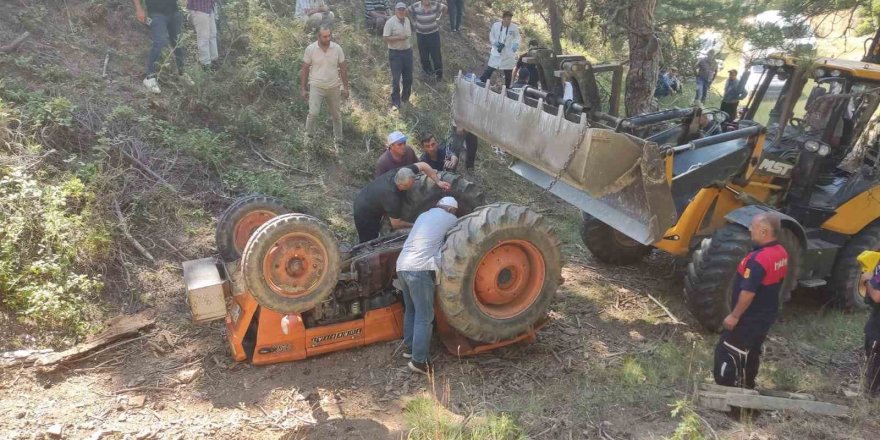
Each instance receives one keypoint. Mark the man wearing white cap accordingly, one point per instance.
(416, 265)
(398, 154)
(397, 34)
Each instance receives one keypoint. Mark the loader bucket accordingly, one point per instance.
(615, 177)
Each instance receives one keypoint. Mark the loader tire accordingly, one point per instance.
(501, 266)
(846, 272)
(424, 195)
(710, 274)
(291, 263)
(241, 219)
(609, 245)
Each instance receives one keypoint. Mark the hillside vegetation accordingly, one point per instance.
(105, 190)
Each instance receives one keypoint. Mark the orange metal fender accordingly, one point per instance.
(854, 215)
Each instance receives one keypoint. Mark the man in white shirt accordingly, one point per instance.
(416, 265)
(324, 71)
(504, 39)
(397, 33)
(314, 12)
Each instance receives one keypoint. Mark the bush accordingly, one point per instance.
(49, 234)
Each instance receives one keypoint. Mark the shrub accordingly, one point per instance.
(48, 235)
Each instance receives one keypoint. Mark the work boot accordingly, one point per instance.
(420, 367)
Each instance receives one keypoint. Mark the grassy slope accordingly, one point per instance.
(618, 358)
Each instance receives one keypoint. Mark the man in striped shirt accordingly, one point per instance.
(377, 13)
(203, 14)
(426, 20)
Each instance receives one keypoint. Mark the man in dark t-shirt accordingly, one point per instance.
(165, 21)
(439, 157)
(398, 154)
(871, 282)
(754, 305)
(531, 68)
(384, 197)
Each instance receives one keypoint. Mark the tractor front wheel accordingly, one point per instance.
(291, 263)
(241, 219)
(501, 266)
(708, 283)
(609, 245)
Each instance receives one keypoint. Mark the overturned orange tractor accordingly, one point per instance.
(297, 293)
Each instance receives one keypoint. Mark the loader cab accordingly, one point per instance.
(815, 117)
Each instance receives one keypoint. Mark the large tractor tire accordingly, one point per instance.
(501, 266)
(291, 263)
(424, 195)
(241, 219)
(609, 245)
(708, 284)
(846, 272)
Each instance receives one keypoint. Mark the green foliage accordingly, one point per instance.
(50, 235)
(55, 111)
(429, 420)
(690, 426)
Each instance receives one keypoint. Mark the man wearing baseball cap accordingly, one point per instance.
(398, 154)
(396, 34)
(416, 267)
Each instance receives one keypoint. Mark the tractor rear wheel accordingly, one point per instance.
(845, 275)
(708, 283)
(501, 266)
(241, 219)
(609, 245)
(424, 195)
(291, 263)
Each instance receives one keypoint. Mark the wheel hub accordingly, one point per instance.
(247, 225)
(509, 278)
(294, 265)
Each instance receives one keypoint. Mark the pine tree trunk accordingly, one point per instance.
(555, 22)
(644, 57)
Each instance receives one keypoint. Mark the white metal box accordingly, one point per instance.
(207, 284)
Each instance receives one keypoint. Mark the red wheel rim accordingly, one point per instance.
(246, 226)
(295, 264)
(509, 279)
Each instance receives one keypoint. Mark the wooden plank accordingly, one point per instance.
(712, 388)
(117, 328)
(768, 403)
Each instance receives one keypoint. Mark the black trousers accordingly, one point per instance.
(738, 355)
(872, 366)
(465, 144)
(456, 12)
(487, 74)
(429, 54)
(401, 69)
(367, 226)
(730, 108)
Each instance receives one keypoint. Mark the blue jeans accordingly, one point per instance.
(165, 30)
(418, 317)
(401, 68)
(702, 89)
(456, 10)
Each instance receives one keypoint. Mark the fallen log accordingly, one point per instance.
(120, 327)
(11, 47)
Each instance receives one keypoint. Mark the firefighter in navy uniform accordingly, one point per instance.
(755, 305)
(872, 332)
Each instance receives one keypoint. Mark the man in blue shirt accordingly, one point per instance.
(754, 304)
(733, 93)
(439, 157)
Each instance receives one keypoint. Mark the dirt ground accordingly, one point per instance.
(609, 357)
